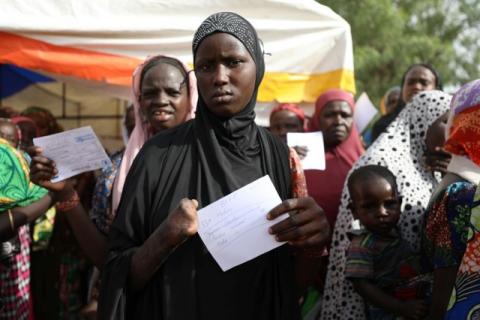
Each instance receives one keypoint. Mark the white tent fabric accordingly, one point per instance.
(98, 43)
(297, 33)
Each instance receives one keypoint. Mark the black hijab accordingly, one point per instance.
(233, 141)
(204, 159)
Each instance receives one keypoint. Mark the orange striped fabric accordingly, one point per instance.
(84, 64)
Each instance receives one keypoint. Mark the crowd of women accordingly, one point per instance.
(410, 185)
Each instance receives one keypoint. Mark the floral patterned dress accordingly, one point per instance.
(465, 298)
(446, 226)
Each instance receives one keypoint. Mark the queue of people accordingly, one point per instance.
(384, 232)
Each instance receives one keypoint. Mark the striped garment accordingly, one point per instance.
(16, 190)
(387, 262)
(15, 282)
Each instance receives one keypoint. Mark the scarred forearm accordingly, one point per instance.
(151, 255)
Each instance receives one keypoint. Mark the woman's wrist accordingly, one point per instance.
(171, 235)
(61, 195)
(66, 200)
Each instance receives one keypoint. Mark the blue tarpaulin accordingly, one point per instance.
(14, 79)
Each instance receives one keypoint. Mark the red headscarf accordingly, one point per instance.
(326, 186)
(292, 107)
(352, 148)
(17, 119)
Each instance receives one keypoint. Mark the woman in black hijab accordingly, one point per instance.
(158, 267)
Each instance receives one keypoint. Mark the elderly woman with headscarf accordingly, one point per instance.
(164, 95)
(158, 267)
(401, 150)
(447, 222)
(333, 116)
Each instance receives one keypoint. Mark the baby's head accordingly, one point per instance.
(9, 132)
(374, 198)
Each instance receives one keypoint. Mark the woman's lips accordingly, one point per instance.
(222, 98)
(162, 115)
(339, 131)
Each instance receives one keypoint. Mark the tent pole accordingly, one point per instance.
(64, 100)
(79, 115)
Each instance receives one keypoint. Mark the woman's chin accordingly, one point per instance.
(163, 125)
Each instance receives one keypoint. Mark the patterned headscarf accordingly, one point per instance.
(236, 133)
(16, 189)
(227, 22)
(400, 149)
(240, 28)
(463, 134)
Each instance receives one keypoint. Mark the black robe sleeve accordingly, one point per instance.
(126, 235)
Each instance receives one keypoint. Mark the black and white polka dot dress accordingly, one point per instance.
(400, 149)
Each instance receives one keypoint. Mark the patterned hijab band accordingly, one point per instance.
(237, 26)
(467, 97)
(227, 22)
(463, 128)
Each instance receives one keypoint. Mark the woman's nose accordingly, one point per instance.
(221, 75)
(338, 119)
(417, 85)
(161, 98)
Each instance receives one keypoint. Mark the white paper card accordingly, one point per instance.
(315, 159)
(235, 227)
(365, 111)
(74, 151)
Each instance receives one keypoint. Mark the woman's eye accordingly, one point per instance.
(174, 93)
(146, 95)
(203, 68)
(235, 63)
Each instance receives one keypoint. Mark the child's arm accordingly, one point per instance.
(413, 309)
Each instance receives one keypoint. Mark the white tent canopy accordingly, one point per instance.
(97, 44)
